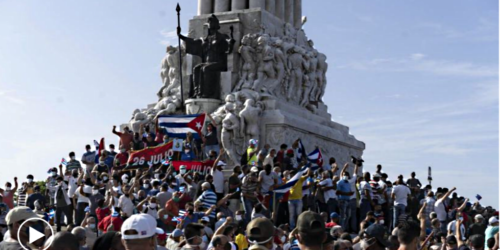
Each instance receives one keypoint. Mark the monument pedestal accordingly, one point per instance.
(285, 123)
(201, 105)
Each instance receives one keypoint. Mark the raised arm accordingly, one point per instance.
(209, 211)
(356, 168)
(212, 120)
(221, 152)
(115, 132)
(16, 185)
(464, 204)
(448, 193)
(220, 230)
(346, 166)
(458, 232)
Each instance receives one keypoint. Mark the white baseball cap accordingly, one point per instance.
(138, 226)
(493, 220)
(221, 163)
(254, 169)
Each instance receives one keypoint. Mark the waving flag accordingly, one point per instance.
(315, 157)
(301, 151)
(177, 126)
(64, 162)
(178, 219)
(99, 146)
(290, 183)
(52, 213)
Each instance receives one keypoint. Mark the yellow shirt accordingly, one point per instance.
(296, 190)
(252, 161)
(241, 241)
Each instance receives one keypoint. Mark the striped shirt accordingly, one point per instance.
(248, 187)
(208, 199)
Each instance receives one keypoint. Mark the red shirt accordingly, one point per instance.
(116, 221)
(330, 224)
(280, 155)
(8, 199)
(185, 199)
(125, 139)
(122, 159)
(101, 213)
(173, 208)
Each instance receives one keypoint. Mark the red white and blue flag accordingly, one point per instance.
(64, 162)
(177, 126)
(301, 151)
(290, 183)
(315, 157)
(99, 146)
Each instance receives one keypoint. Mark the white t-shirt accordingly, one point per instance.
(330, 194)
(440, 210)
(126, 205)
(382, 186)
(401, 193)
(72, 183)
(364, 185)
(267, 180)
(218, 181)
(352, 181)
(81, 198)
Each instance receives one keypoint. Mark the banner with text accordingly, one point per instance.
(193, 166)
(150, 156)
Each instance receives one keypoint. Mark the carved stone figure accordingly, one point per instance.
(230, 135)
(311, 78)
(279, 67)
(265, 69)
(250, 116)
(170, 67)
(213, 50)
(138, 119)
(167, 105)
(296, 64)
(247, 55)
(321, 74)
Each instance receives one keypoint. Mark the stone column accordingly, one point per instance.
(271, 6)
(238, 4)
(258, 4)
(297, 14)
(289, 11)
(280, 9)
(221, 5)
(205, 7)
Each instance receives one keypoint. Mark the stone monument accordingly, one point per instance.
(270, 87)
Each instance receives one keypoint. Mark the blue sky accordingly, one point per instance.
(417, 81)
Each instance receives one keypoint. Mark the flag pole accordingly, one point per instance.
(178, 9)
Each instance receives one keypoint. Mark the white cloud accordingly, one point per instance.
(169, 37)
(11, 97)
(418, 63)
(417, 56)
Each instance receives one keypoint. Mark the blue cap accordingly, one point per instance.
(334, 215)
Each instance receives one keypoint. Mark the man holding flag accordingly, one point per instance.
(295, 198)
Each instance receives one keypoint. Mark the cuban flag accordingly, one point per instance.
(301, 151)
(315, 157)
(64, 162)
(52, 213)
(177, 126)
(98, 147)
(290, 183)
(178, 219)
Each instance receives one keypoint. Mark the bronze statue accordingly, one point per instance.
(213, 50)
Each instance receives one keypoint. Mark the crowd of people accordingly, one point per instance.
(272, 200)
